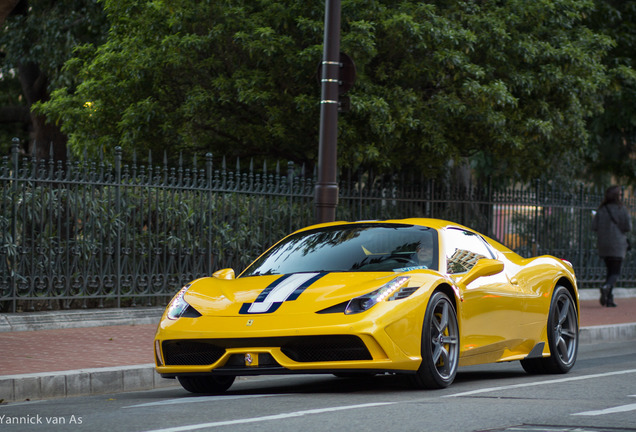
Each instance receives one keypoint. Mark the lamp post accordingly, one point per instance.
(326, 191)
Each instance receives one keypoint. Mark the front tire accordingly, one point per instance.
(440, 345)
(563, 336)
(206, 384)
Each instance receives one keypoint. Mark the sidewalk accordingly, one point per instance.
(72, 353)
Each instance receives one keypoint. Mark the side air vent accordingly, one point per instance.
(339, 308)
(190, 312)
(403, 293)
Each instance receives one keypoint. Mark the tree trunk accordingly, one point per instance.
(6, 7)
(47, 139)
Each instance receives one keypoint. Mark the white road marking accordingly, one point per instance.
(613, 410)
(539, 383)
(269, 418)
(623, 408)
(199, 399)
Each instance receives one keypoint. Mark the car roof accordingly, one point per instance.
(428, 222)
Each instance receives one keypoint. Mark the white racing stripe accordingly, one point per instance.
(269, 418)
(281, 292)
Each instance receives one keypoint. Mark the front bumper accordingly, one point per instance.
(272, 345)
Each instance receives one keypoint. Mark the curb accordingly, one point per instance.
(607, 333)
(53, 320)
(592, 293)
(82, 382)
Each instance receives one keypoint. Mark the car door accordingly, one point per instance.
(490, 311)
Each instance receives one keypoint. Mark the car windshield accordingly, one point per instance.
(351, 248)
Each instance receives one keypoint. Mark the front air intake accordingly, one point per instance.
(326, 348)
(302, 349)
(191, 352)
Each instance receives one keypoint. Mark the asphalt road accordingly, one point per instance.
(599, 394)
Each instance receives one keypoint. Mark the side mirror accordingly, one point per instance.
(483, 267)
(226, 274)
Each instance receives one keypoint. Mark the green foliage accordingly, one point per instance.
(193, 76)
(48, 32)
(614, 130)
(508, 85)
(44, 33)
(505, 81)
(10, 95)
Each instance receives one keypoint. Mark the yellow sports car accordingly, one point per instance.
(417, 297)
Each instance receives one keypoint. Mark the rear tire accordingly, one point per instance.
(563, 336)
(206, 384)
(440, 345)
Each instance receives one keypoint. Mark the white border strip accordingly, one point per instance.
(539, 383)
(268, 418)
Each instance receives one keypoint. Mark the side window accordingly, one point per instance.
(463, 249)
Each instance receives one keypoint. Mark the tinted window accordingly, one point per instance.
(463, 249)
(351, 248)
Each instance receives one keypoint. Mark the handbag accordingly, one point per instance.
(609, 212)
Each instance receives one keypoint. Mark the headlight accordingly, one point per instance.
(367, 301)
(178, 305)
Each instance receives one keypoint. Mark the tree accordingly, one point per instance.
(504, 85)
(507, 86)
(36, 39)
(223, 76)
(614, 130)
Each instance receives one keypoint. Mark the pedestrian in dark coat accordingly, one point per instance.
(611, 222)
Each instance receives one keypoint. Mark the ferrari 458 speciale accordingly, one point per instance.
(412, 297)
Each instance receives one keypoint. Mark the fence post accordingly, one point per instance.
(535, 243)
(208, 183)
(581, 216)
(117, 218)
(491, 210)
(15, 148)
(290, 181)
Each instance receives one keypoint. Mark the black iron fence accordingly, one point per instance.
(93, 234)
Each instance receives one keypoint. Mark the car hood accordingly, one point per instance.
(285, 294)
